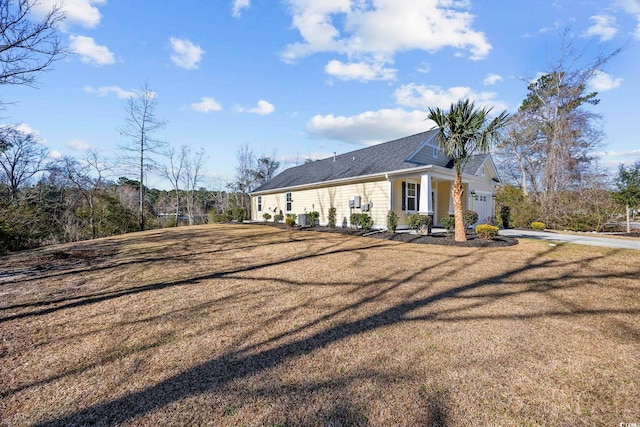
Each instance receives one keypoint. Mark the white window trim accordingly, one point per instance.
(288, 201)
(406, 196)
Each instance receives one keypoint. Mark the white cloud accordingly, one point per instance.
(90, 52)
(55, 154)
(362, 71)
(238, 5)
(424, 68)
(263, 108)
(370, 127)
(629, 6)
(185, 54)
(77, 145)
(206, 105)
(420, 96)
(82, 12)
(376, 30)
(604, 27)
(602, 81)
(106, 90)
(633, 8)
(492, 79)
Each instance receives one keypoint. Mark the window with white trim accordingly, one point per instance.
(411, 196)
(436, 152)
(289, 202)
(259, 203)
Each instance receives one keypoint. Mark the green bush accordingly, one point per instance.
(417, 221)
(239, 214)
(448, 223)
(361, 220)
(486, 231)
(216, 216)
(290, 221)
(537, 225)
(332, 217)
(228, 215)
(469, 217)
(314, 218)
(278, 217)
(505, 212)
(516, 210)
(266, 216)
(392, 221)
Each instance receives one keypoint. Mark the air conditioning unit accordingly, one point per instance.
(356, 202)
(303, 220)
(365, 207)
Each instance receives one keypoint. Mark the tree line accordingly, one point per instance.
(545, 153)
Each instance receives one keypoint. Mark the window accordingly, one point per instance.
(259, 203)
(411, 196)
(289, 202)
(436, 152)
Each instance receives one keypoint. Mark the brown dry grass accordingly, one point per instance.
(250, 325)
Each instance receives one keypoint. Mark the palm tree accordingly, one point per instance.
(464, 131)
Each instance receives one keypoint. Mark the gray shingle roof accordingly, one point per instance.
(386, 157)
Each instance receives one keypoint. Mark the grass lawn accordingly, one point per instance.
(252, 325)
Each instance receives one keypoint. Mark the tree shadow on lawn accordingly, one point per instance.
(85, 299)
(219, 372)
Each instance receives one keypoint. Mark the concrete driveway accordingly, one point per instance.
(581, 239)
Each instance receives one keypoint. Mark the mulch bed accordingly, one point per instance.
(445, 239)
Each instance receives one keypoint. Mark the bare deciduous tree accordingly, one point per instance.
(555, 132)
(174, 172)
(23, 157)
(140, 127)
(88, 178)
(27, 46)
(193, 173)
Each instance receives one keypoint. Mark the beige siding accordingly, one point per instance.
(321, 199)
(443, 196)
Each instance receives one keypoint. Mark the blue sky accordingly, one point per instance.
(305, 78)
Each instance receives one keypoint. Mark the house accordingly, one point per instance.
(408, 175)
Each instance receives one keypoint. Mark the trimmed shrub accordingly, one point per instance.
(314, 218)
(290, 221)
(417, 221)
(392, 221)
(448, 223)
(537, 225)
(361, 220)
(266, 216)
(278, 217)
(469, 217)
(486, 231)
(332, 217)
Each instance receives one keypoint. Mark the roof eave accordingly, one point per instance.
(342, 180)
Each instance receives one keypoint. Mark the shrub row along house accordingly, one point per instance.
(407, 175)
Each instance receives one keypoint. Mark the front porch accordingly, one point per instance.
(430, 194)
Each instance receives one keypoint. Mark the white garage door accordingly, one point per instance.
(482, 205)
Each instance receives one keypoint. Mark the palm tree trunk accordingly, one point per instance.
(456, 193)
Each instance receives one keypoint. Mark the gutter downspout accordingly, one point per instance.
(386, 176)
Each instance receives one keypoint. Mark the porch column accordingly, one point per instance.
(426, 204)
(451, 210)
